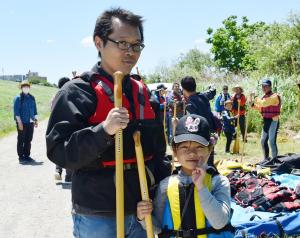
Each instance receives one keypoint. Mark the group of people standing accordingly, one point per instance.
(83, 122)
(231, 108)
(81, 132)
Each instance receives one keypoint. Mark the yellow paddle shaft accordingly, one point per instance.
(118, 78)
(143, 179)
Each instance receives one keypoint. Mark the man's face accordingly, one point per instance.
(176, 88)
(114, 59)
(238, 91)
(225, 90)
(162, 92)
(266, 88)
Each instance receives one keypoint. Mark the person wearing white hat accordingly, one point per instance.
(239, 95)
(25, 115)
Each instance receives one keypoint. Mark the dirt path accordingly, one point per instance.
(31, 203)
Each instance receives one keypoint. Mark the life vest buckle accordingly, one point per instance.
(188, 233)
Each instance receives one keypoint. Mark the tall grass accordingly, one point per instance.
(8, 90)
(285, 86)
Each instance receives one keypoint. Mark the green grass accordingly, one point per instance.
(8, 90)
(253, 152)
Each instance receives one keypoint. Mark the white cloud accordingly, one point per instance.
(50, 41)
(87, 42)
(201, 45)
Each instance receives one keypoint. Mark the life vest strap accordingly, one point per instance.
(195, 232)
(141, 99)
(140, 95)
(106, 89)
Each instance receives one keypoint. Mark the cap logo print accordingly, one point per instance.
(192, 125)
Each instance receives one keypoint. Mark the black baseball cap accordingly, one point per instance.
(161, 87)
(192, 128)
(266, 82)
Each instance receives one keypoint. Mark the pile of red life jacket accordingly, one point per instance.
(261, 193)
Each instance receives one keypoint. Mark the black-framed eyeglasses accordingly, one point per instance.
(124, 45)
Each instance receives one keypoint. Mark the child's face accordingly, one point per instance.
(228, 106)
(191, 155)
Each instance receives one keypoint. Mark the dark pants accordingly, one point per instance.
(242, 125)
(59, 169)
(24, 140)
(269, 133)
(229, 137)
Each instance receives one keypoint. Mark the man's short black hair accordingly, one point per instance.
(62, 81)
(104, 23)
(189, 84)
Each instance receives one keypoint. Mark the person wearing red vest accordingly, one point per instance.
(269, 105)
(238, 95)
(83, 122)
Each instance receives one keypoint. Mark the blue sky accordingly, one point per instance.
(53, 37)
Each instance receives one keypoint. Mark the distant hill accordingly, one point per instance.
(8, 90)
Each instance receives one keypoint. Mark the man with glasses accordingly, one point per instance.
(81, 129)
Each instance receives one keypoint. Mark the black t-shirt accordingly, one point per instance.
(199, 104)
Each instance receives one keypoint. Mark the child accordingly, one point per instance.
(196, 201)
(228, 124)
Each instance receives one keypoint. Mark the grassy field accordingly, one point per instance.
(253, 152)
(8, 90)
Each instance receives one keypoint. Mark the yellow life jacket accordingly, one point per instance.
(174, 200)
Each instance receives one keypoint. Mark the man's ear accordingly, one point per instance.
(98, 43)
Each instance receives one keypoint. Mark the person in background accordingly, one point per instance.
(269, 106)
(228, 124)
(175, 96)
(25, 115)
(211, 92)
(221, 99)
(238, 95)
(160, 94)
(58, 169)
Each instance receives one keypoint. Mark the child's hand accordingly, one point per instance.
(198, 177)
(175, 121)
(143, 209)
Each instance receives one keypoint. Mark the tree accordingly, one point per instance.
(230, 44)
(276, 49)
(192, 63)
(196, 60)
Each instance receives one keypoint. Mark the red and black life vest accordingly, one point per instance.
(235, 104)
(271, 111)
(261, 193)
(141, 114)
